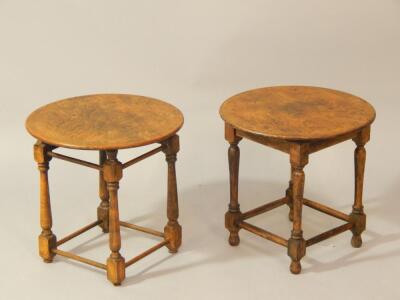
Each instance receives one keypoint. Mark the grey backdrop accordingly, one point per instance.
(195, 54)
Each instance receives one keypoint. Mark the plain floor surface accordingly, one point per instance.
(195, 54)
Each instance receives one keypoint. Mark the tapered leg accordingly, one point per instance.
(103, 209)
(172, 231)
(296, 243)
(357, 215)
(47, 240)
(112, 169)
(289, 196)
(233, 215)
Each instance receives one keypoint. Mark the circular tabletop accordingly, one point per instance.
(297, 113)
(104, 122)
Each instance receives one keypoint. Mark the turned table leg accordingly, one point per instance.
(357, 215)
(103, 209)
(233, 215)
(289, 196)
(47, 240)
(172, 231)
(112, 169)
(296, 243)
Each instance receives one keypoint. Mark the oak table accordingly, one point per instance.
(297, 120)
(106, 123)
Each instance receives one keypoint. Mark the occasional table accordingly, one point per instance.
(298, 120)
(106, 123)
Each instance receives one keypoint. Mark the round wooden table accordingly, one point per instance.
(298, 120)
(106, 122)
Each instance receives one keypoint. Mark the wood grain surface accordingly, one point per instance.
(104, 122)
(297, 120)
(296, 113)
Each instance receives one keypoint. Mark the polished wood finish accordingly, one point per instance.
(172, 231)
(74, 160)
(78, 232)
(327, 210)
(263, 208)
(289, 196)
(104, 122)
(270, 142)
(104, 207)
(296, 120)
(296, 243)
(101, 265)
(358, 216)
(295, 113)
(263, 233)
(145, 253)
(79, 258)
(319, 145)
(232, 217)
(142, 229)
(328, 234)
(112, 169)
(47, 240)
(142, 157)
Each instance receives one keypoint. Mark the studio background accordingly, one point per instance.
(195, 54)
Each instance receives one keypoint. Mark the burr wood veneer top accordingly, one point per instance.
(104, 122)
(297, 113)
